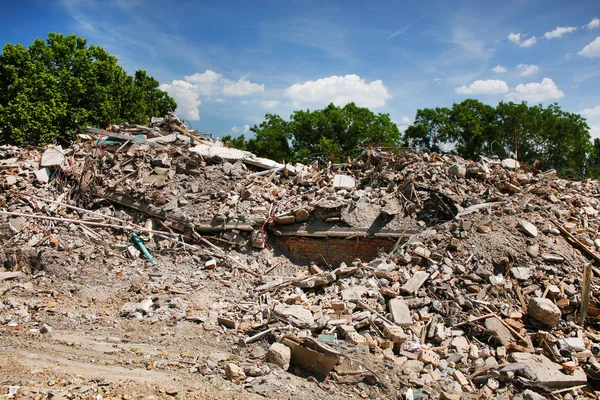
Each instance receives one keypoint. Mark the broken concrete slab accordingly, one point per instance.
(343, 182)
(500, 333)
(354, 293)
(319, 362)
(415, 282)
(401, 314)
(541, 369)
(296, 315)
(52, 157)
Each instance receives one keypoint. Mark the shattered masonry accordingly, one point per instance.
(399, 274)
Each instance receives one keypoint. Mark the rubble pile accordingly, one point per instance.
(489, 289)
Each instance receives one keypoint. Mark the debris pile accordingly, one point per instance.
(484, 283)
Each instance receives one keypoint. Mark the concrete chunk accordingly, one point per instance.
(400, 312)
(280, 355)
(521, 273)
(457, 170)
(52, 157)
(544, 310)
(552, 258)
(343, 182)
(395, 334)
(499, 332)
(17, 224)
(296, 315)
(528, 228)
(42, 175)
(10, 180)
(355, 338)
(542, 370)
(234, 373)
(510, 163)
(533, 250)
(415, 282)
(317, 281)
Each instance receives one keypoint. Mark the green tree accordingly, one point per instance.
(470, 129)
(466, 129)
(237, 143)
(594, 160)
(332, 133)
(54, 88)
(337, 132)
(431, 130)
(272, 139)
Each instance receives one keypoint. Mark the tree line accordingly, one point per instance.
(332, 133)
(552, 137)
(52, 89)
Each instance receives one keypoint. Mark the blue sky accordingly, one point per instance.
(227, 63)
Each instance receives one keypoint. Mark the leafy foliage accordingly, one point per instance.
(51, 90)
(559, 139)
(332, 133)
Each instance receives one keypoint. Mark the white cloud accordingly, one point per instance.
(207, 76)
(559, 32)
(242, 88)
(489, 86)
(190, 92)
(593, 24)
(269, 103)
(499, 69)
(528, 42)
(238, 129)
(187, 98)
(262, 103)
(516, 38)
(593, 120)
(592, 112)
(591, 50)
(536, 92)
(339, 90)
(527, 69)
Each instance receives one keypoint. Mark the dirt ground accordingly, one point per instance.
(91, 351)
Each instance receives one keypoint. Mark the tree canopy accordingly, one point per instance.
(52, 89)
(332, 134)
(559, 139)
